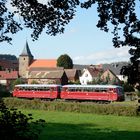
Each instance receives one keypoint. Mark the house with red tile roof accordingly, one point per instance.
(89, 74)
(40, 70)
(6, 77)
(48, 77)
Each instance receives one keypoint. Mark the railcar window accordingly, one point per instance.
(64, 89)
(24, 88)
(46, 88)
(71, 89)
(38, 89)
(17, 89)
(35, 88)
(52, 89)
(97, 90)
(76, 89)
(93, 89)
(90, 89)
(103, 90)
(30, 88)
(41, 89)
(85, 89)
(115, 90)
(79, 89)
(111, 90)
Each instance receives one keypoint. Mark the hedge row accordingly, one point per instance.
(106, 109)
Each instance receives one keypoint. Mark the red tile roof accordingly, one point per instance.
(8, 75)
(42, 63)
(94, 71)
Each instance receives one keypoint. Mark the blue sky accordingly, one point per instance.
(82, 41)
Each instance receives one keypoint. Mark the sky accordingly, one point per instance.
(82, 41)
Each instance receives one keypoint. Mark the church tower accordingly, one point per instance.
(25, 59)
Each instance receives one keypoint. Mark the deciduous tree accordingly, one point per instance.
(65, 61)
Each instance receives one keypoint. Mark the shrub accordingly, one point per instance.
(127, 87)
(4, 92)
(94, 108)
(14, 125)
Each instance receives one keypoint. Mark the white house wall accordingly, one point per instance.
(3, 82)
(122, 78)
(86, 77)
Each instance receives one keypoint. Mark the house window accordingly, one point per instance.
(86, 75)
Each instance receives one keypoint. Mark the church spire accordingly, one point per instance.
(26, 51)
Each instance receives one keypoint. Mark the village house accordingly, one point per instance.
(73, 75)
(110, 77)
(7, 77)
(89, 74)
(116, 69)
(48, 77)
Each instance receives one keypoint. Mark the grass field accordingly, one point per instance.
(70, 126)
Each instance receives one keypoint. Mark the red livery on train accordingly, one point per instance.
(70, 92)
(93, 92)
(37, 91)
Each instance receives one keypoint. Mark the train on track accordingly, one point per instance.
(105, 93)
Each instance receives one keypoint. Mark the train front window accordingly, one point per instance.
(120, 91)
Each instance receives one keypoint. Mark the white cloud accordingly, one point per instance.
(43, 1)
(104, 56)
(9, 6)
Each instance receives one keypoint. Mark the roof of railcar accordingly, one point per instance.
(93, 86)
(37, 85)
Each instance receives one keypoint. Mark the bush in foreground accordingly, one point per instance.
(14, 125)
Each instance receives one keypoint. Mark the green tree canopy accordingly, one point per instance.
(65, 61)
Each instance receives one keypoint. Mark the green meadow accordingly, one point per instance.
(79, 126)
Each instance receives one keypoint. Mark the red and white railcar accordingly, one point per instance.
(42, 91)
(92, 92)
